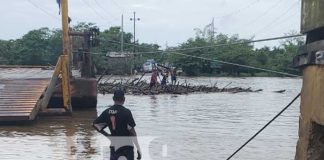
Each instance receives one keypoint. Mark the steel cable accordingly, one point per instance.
(265, 126)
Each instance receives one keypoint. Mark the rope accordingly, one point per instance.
(274, 118)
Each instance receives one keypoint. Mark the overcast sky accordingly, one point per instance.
(162, 21)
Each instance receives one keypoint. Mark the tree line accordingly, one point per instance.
(43, 47)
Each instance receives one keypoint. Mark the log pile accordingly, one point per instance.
(141, 87)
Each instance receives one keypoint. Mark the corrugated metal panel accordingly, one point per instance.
(18, 98)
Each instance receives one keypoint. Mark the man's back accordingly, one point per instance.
(121, 124)
(119, 120)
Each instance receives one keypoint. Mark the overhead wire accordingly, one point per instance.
(264, 13)
(277, 18)
(238, 10)
(104, 10)
(239, 65)
(234, 43)
(43, 10)
(175, 51)
(95, 11)
(118, 6)
(284, 21)
(223, 62)
(220, 45)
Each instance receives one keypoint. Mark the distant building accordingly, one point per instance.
(119, 63)
(119, 54)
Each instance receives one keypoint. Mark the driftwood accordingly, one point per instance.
(142, 87)
(280, 91)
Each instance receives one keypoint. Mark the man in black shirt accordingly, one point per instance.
(121, 124)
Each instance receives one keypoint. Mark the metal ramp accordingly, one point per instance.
(19, 98)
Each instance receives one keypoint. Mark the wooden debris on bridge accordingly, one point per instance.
(142, 87)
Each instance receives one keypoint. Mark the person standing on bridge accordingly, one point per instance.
(121, 124)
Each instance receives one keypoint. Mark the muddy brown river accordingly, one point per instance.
(174, 127)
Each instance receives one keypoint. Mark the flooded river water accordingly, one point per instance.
(174, 127)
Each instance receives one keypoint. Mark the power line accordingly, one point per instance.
(234, 43)
(239, 10)
(216, 45)
(95, 11)
(174, 51)
(284, 21)
(235, 64)
(277, 18)
(220, 61)
(224, 62)
(43, 10)
(264, 13)
(219, 45)
(239, 65)
(118, 6)
(104, 10)
(265, 126)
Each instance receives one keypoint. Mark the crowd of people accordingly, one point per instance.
(165, 74)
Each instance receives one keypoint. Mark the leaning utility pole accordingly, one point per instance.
(310, 145)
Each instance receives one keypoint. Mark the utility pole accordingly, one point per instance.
(134, 49)
(122, 44)
(213, 30)
(310, 60)
(122, 34)
(134, 19)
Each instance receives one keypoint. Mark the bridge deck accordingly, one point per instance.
(20, 90)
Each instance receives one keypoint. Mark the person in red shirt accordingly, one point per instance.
(154, 76)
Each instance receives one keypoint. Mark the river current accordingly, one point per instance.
(174, 127)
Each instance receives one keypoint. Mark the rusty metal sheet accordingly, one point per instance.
(18, 97)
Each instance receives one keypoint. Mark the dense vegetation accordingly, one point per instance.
(278, 58)
(43, 46)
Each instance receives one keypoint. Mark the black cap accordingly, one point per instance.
(119, 94)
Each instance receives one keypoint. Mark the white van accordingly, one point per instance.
(149, 65)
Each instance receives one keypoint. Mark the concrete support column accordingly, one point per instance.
(310, 145)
